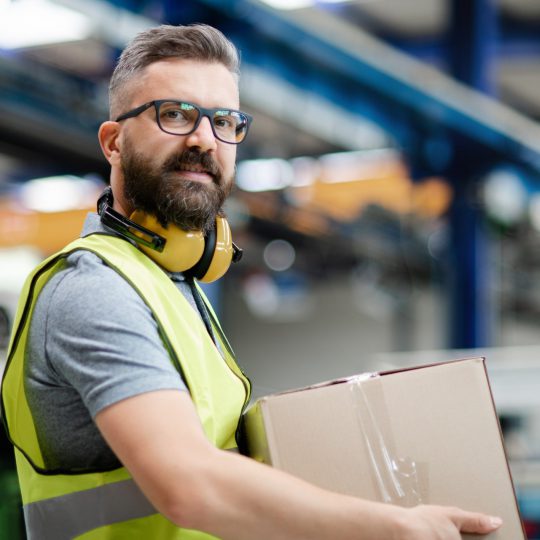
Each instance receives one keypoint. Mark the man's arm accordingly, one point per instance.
(159, 438)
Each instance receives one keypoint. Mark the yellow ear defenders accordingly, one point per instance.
(205, 257)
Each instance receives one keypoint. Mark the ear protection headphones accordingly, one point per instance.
(204, 257)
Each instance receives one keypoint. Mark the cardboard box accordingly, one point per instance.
(426, 435)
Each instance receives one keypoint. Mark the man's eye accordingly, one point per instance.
(224, 122)
(173, 114)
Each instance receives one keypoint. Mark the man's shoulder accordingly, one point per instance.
(84, 266)
(85, 280)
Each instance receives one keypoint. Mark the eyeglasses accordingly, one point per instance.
(182, 118)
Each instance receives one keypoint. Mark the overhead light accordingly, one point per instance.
(505, 196)
(264, 174)
(297, 4)
(289, 4)
(58, 193)
(30, 23)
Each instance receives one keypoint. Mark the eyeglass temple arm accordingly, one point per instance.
(134, 112)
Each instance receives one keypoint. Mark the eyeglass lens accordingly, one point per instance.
(181, 118)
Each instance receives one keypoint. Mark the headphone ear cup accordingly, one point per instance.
(217, 255)
(206, 258)
(182, 250)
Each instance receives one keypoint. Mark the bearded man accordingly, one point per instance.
(121, 393)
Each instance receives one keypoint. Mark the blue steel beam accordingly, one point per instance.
(471, 47)
(416, 106)
(402, 95)
(429, 112)
(37, 102)
(516, 36)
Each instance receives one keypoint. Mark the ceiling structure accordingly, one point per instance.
(419, 27)
(61, 86)
(373, 74)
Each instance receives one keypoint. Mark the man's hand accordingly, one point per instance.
(444, 523)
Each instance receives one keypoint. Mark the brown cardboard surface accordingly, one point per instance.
(425, 435)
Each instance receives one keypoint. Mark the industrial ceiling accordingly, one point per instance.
(62, 85)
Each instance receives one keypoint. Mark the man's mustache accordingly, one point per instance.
(190, 158)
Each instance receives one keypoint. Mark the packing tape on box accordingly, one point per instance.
(398, 478)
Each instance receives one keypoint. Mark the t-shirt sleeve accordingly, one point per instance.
(102, 339)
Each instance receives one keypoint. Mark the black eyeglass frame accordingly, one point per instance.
(203, 111)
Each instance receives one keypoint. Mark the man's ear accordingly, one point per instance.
(108, 135)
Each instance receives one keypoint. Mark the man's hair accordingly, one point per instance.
(199, 42)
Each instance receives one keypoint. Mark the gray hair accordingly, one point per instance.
(193, 42)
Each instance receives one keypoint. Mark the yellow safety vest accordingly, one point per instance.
(107, 505)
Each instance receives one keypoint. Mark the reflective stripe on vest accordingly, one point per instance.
(217, 386)
(49, 519)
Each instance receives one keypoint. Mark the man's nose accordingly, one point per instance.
(203, 137)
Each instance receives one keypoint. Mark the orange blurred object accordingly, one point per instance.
(45, 231)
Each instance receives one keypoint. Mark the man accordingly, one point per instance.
(110, 441)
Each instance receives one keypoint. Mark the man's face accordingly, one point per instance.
(181, 179)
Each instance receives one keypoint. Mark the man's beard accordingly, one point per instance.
(161, 191)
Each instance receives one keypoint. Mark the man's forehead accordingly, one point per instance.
(165, 78)
(186, 68)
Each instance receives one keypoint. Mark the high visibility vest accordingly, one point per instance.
(107, 505)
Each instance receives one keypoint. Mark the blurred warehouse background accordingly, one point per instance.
(388, 196)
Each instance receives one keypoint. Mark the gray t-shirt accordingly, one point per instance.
(92, 342)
